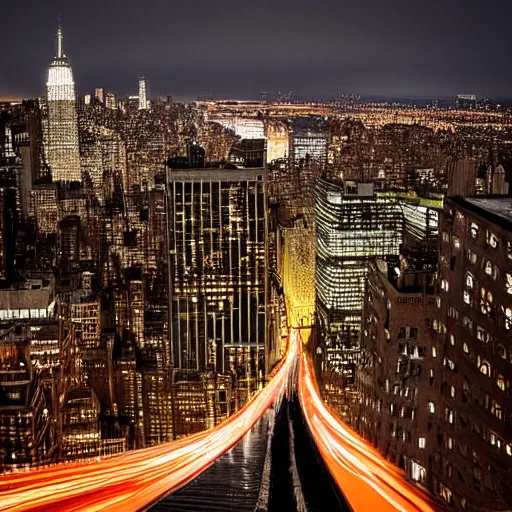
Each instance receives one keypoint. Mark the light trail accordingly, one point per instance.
(366, 478)
(134, 480)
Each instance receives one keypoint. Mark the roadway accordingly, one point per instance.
(232, 482)
(357, 476)
(275, 467)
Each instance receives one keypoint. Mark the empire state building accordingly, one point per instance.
(62, 124)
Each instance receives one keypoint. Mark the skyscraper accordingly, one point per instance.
(99, 94)
(219, 275)
(354, 224)
(472, 331)
(143, 89)
(62, 124)
(111, 100)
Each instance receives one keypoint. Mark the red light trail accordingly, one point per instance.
(134, 480)
(366, 478)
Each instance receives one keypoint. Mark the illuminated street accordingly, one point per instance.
(134, 480)
(367, 480)
(232, 481)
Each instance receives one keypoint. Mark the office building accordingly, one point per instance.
(309, 139)
(111, 100)
(99, 94)
(218, 231)
(353, 225)
(396, 384)
(61, 150)
(278, 141)
(143, 90)
(27, 429)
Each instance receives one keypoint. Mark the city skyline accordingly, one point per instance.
(263, 305)
(369, 50)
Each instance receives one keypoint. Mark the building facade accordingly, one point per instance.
(472, 329)
(62, 151)
(218, 237)
(353, 225)
(397, 378)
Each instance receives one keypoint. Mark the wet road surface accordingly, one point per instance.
(232, 482)
(295, 478)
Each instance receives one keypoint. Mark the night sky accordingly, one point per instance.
(224, 48)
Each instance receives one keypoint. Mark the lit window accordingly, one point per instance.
(465, 348)
(444, 285)
(472, 256)
(449, 416)
(434, 352)
(438, 302)
(508, 318)
(484, 367)
(446, 494)
(470, 280)
(508, 449)
(449, 364)
(490, 269)
(446, 237)
(467, 297)
(452, 391)
(483, 335)
(496, 410)
(449, 443)
(508, 283)
(422, 442)
(474, 230)
(456, 242)
(431, 406)
(500, 382)
(502, 352)
(491, 239)
(495, 440)
(509, 250)
(418, 472)
(452, 340)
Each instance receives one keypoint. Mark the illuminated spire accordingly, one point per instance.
(62, 124)
(60, 53)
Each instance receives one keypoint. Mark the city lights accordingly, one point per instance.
(132, 481)
(333, 274)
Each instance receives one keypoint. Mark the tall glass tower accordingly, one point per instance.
(62, 124)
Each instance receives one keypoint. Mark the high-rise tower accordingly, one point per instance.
(62, 125)
(143, 94)
(219, 271)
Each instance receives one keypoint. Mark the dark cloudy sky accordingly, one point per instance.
(230, 48)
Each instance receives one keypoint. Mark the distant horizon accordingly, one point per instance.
(322, 98)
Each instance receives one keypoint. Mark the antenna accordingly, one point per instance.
(60, 53)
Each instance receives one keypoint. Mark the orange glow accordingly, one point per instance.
(136, 479)
(367, 479)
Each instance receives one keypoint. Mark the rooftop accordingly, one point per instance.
(496, 209)
(216, 174)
